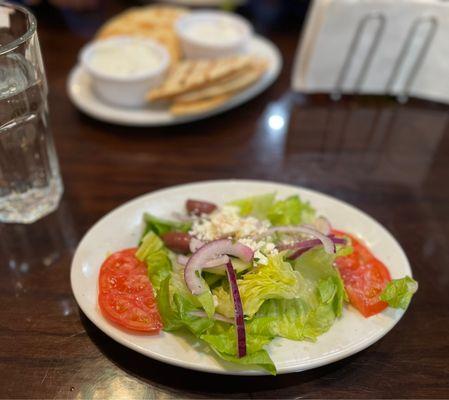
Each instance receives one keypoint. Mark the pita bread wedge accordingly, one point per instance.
(228, 85)
(155, 22)
(194, 74)
(196, 107)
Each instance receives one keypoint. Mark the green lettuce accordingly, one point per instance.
(291, 211)
(155, 255)
(222, 338)
(316, 266)
(175, 311)
(313, 311)
(257, 206)
(160, 226)
(207, 302)
(225, 305)
(276, 280)
(399, 292)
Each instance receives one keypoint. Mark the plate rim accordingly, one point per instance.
(241, 98)
(325, 360)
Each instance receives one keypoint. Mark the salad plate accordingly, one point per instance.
(122, 228)
(80, 91)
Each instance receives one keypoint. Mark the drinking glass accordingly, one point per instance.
(30, 184)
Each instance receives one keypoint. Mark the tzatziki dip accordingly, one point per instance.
(219, 31)
(125, 59)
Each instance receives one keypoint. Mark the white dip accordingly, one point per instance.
(220, 31)
(124, 59)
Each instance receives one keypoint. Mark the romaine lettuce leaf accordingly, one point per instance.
(176, 315)
(225, 305)
(223, 340)
(160, 226)
(316, 266)
(313, 311)
(155, 255)
(207, 301)
(257, 206)
(175, 311)
(291, 211)
(167, 309)
(276, 280)
(293, 319)
(259, 358)
(399, 292)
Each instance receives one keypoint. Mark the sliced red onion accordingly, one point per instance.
(214, 263)
(238, 309)
(298, 245)
(308, 243)
(328, 244)
(323, 225)
(182, 259)
(302, 247)
(195, 244)
(211, 251)
(216, 316)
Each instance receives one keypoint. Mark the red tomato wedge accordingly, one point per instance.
(364, 276)
(125, 293)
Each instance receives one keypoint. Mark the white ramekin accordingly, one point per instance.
(127, 91)
(196, 48)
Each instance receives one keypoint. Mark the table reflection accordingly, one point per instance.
(365, 140)
(24, 248)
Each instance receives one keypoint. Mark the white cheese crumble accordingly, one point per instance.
(227, 223)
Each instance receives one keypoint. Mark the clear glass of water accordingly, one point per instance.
(30, 183)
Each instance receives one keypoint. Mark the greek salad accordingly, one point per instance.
(239, 275)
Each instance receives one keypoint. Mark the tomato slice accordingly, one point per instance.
(364, 276)
(125, 294)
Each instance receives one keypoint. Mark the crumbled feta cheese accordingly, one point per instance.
(260, 258)
(226, 222)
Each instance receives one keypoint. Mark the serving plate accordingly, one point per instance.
(80, 91)
(122, 227)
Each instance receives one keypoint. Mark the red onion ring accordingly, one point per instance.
(195, 244)
(323, 225)
(238, 309)
(328, 244)
(182, 259)
(210, 251)
(216, 262)
(302, 247)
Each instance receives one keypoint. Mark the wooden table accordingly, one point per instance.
(390, 160)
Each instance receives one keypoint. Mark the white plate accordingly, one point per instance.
(81, 93)
(122, 227)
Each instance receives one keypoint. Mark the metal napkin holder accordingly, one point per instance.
(379, 18)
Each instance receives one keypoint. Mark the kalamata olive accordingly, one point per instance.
(177, 241)
(198, 207)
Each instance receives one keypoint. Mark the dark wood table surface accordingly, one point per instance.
(390, 160)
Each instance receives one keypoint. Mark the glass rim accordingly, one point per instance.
(27, 35)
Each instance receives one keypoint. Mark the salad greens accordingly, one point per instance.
(399, 292)
(160, 226)
(296, 299)
(291, 211)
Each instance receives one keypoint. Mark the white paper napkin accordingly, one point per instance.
(329, 32)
